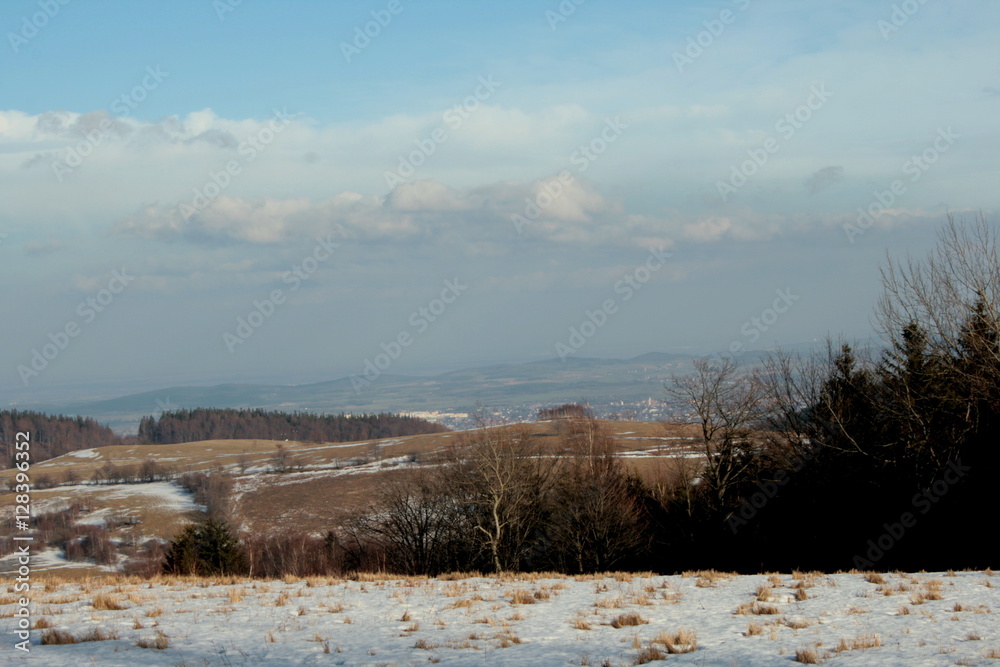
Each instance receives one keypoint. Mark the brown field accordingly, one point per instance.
(322, 483)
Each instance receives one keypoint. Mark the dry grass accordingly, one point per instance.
(797, 623)
(753, 629)
(807, 656)
(610, 602)
(763, 593)
(865, 641)
(649, 654)
(93, 635)
(522, 596)
(463, 603)
(757, 609)
(973, 636)
(677, 642)
(874, 578)
(159, 642)
(107, 602)
(57, 637)
(992, 654)
(43, 623)
(580, 624)
(629, 618)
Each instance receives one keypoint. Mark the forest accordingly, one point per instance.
(54, 435)
(861, 457)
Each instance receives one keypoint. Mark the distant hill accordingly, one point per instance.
(522, 388)
(546, 382)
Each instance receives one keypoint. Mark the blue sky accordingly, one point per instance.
(143, 138)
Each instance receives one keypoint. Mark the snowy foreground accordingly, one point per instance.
(702, 619)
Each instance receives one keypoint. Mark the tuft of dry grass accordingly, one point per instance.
(763, 593)
(425, 645)
(580, 624)
(43, 623)
(677, 642)
(753, 629)
(57, 637)
(973, 636)
(649, 654)
(629, 618)
(93, 635)
(757, 609)
(865, 641)
(797, 623)
(159, 642)
(874, 578)
(107, 602)
(801, 595)
(992, 654)
(807, 656)
(610, 602)
(522, 596)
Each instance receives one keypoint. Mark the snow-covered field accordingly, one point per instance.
(703, 618)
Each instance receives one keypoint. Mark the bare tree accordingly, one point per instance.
(505, 477)
(595, 522)
(728, 406)
(415, 520)
(954, 296)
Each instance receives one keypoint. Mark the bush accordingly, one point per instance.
(206, 549)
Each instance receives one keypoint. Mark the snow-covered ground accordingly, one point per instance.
(849, 619)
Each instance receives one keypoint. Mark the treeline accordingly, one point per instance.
(501, 500)
(51, 436)
(257, 424)
(872, 460)
(55, 435)
(848, 459)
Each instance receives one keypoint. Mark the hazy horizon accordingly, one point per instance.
(204, 192)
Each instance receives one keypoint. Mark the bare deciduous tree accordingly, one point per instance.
(505, 477)
(728, 405)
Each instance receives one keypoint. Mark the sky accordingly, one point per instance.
(197, 192)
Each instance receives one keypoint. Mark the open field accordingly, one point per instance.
(702, 618)
(321, 483)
